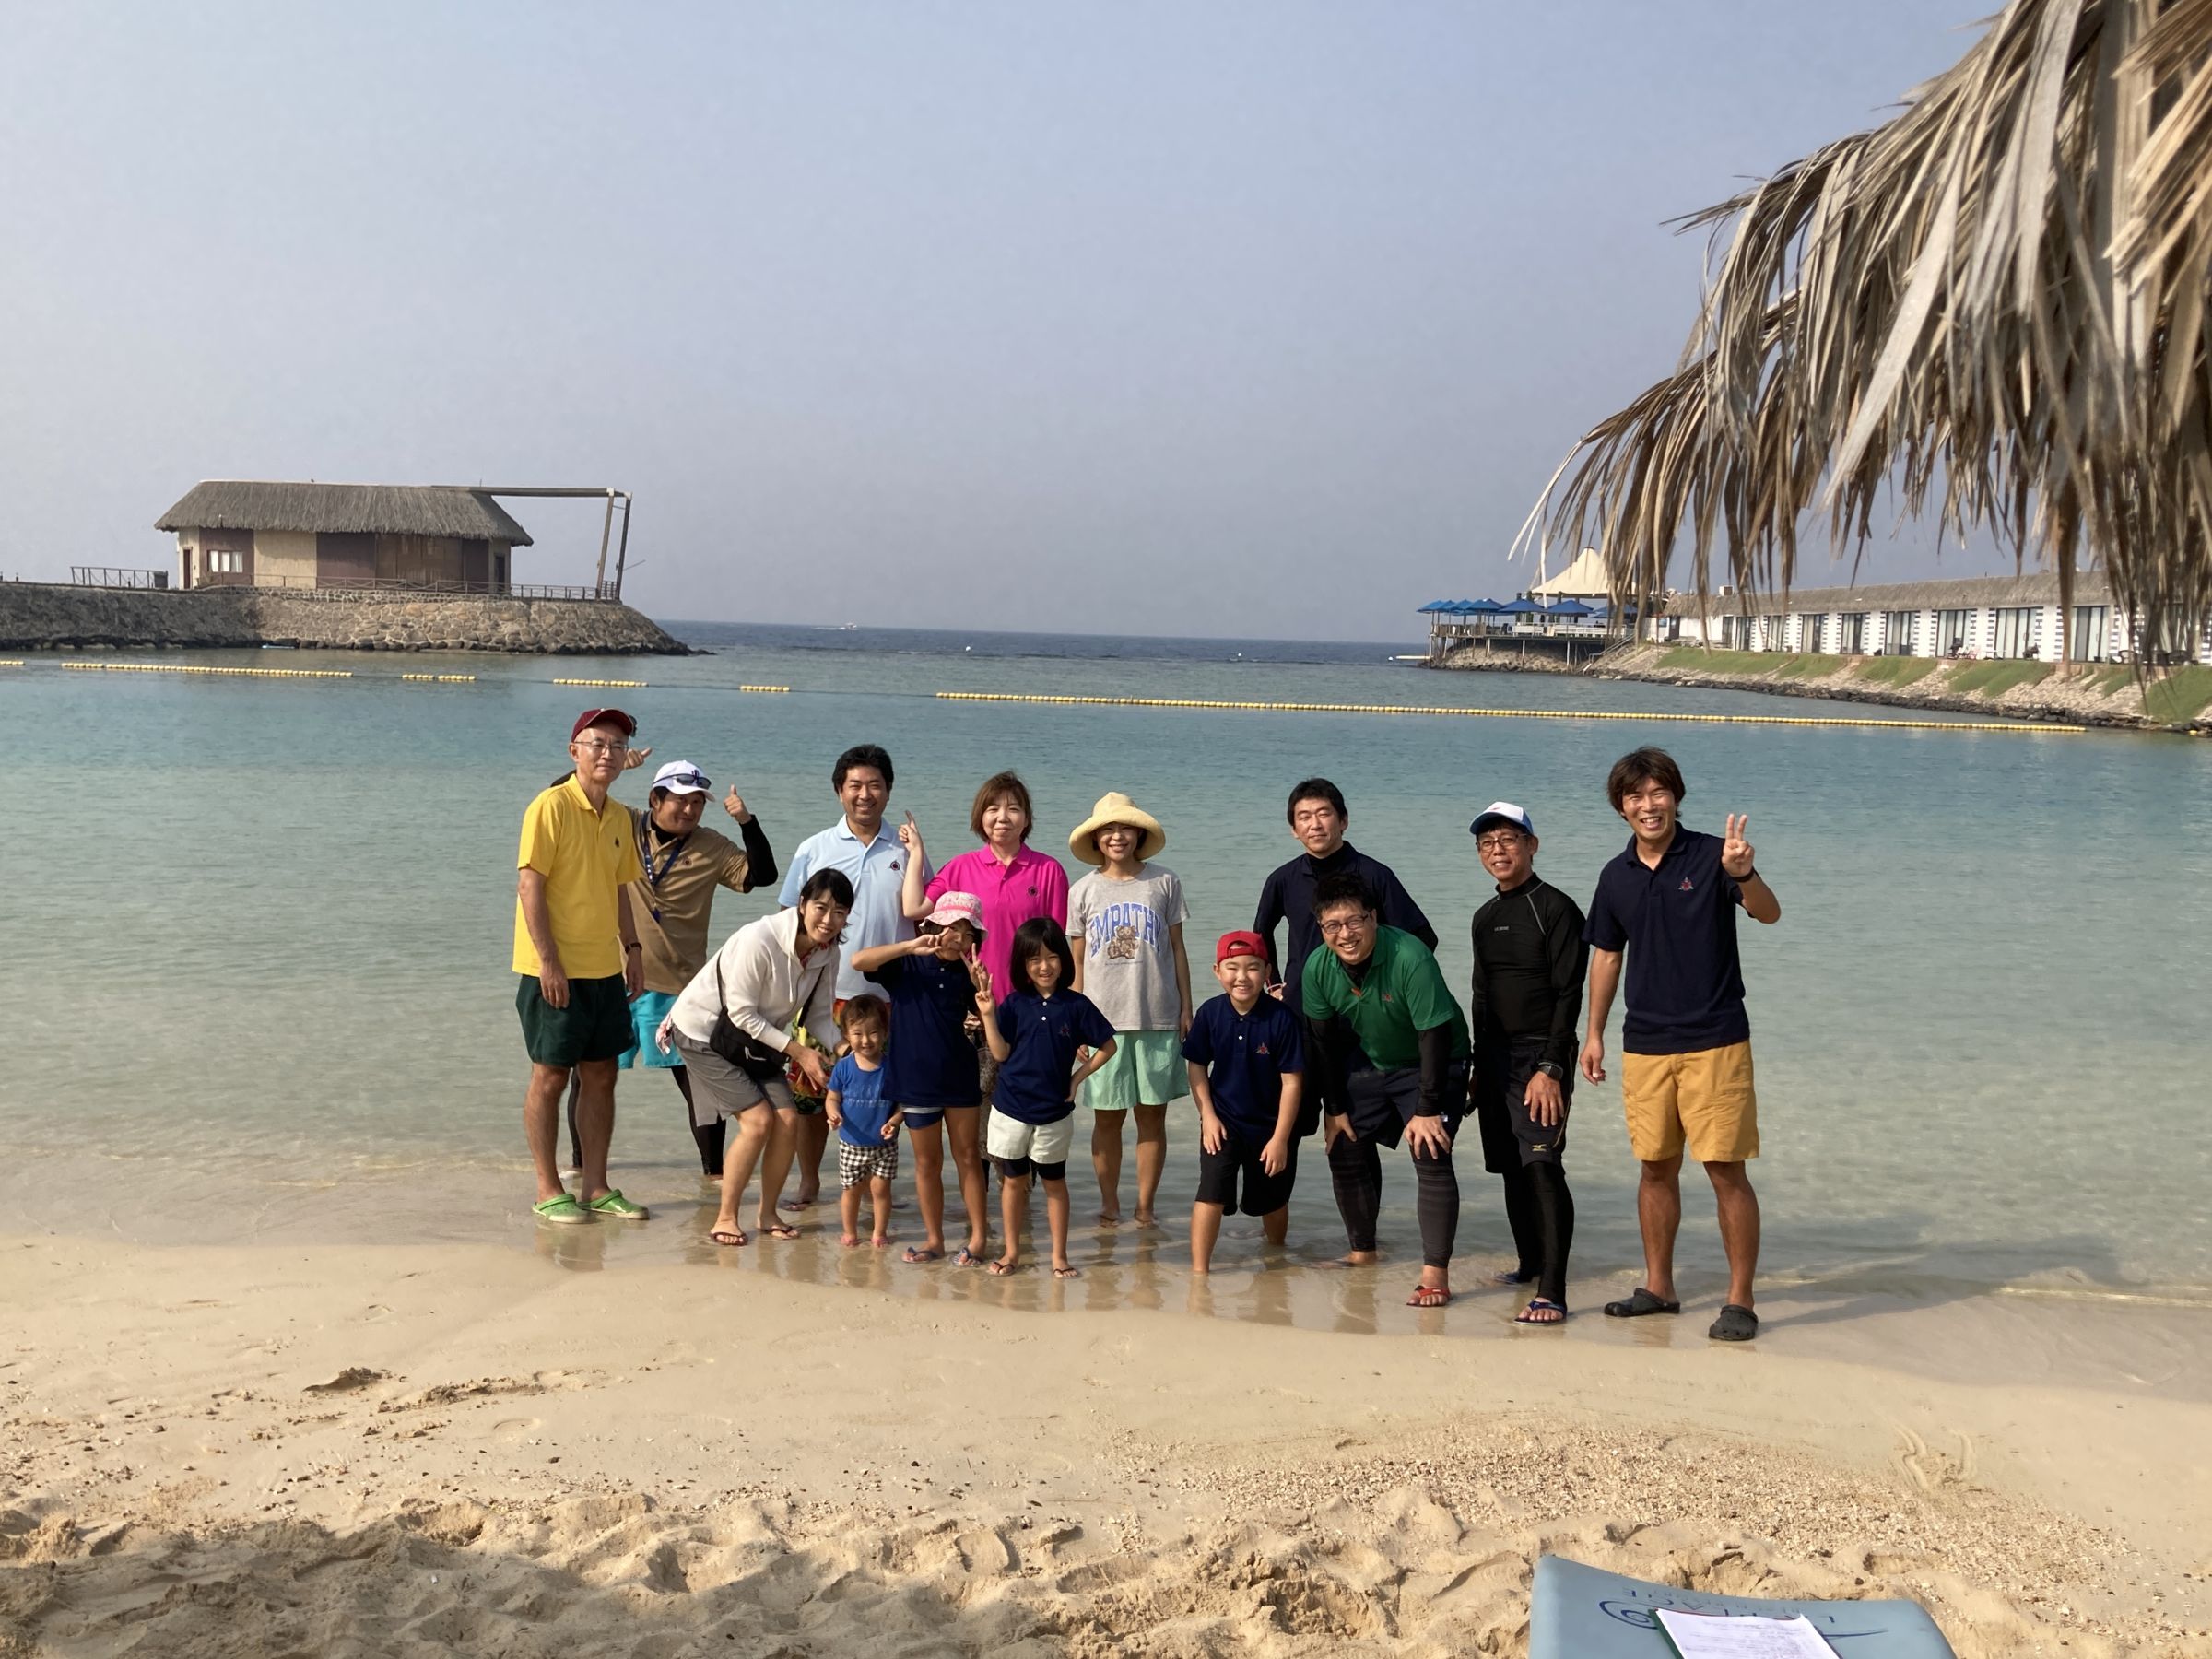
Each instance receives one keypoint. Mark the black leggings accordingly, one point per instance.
(1356, 1171)
(707, 1137)
(1541, 1212)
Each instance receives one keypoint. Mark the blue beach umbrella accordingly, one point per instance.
(1571, 608)
(1520, 607)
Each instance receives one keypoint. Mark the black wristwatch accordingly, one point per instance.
(1552, 1069)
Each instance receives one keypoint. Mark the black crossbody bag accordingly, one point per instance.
(735, 1044)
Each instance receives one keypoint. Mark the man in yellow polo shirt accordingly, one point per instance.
(576, 949)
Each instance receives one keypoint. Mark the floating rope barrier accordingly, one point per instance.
(443, 679)
(598, 682)
(209, 669)
(1304, 707)
(764, 688)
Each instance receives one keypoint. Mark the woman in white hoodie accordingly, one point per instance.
(732, 1024)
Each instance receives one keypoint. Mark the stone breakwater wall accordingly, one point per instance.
(44, 617)
(2095, 695)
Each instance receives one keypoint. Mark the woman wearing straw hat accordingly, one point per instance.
(1125, 922)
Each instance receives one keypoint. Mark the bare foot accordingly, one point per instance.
(850, 1240)
(1110, 1217)
(1147, 1217)
(881, 1240)
(1357, 1258)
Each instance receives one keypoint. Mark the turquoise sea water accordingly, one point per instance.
(258, 929)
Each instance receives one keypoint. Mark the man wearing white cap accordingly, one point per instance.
(1529, 958)
(684, 862)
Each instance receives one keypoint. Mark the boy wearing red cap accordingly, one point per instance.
(577, 954)
(1247, 1061)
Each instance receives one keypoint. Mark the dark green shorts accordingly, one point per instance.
(595, 1025)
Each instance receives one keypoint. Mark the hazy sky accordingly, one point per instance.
(1261, 319)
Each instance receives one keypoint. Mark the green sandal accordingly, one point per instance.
(564, 1211)
(612, 1203)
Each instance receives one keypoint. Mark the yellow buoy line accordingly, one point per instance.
(209, 669)
(1304, 707)
(436, 680)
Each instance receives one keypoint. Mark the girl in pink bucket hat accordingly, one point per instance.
(929, 1064)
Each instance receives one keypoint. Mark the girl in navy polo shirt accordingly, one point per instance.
(929, 1069)
(1035, 1036)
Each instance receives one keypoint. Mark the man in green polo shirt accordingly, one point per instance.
(577, 954)
(1380, 990)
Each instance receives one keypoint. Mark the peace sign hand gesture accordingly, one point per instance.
(980, 977)
(1736, 852)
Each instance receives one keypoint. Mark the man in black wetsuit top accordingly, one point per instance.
(1318, 818)
(1529, 959)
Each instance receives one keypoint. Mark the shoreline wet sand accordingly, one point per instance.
(400, 1447)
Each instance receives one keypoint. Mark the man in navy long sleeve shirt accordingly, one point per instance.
(1318, 818)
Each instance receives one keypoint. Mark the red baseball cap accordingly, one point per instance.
(1240, 945)
(591, 717)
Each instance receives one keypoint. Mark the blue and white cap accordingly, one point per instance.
(680, 777)
(1503, 812)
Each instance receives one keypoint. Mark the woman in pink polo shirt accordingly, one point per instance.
(1016, 883)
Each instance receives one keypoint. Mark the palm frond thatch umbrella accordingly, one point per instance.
(1994, 302)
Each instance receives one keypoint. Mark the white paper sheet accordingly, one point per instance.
(1704, 1636)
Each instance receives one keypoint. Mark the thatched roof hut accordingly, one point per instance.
(344, 509)
(238, 532)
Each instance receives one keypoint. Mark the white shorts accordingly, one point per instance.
(1011, 1138)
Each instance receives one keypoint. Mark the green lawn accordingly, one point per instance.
(1896, 671)
(1696, 659)
(1994, 680)
(2180, 697)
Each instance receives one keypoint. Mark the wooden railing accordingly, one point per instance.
(386, 588)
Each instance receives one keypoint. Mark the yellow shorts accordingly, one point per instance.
(1704, 1099)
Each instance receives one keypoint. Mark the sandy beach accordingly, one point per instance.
(466, 1449)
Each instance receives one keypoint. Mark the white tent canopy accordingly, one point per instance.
(1584, 579)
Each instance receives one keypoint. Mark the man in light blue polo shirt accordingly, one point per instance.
(874, 861)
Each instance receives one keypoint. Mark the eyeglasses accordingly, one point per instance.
(600, 746)
(1348, 925)
(1499, 843)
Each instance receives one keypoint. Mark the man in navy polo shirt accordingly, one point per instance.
(1669, 902)
(1246, 1060)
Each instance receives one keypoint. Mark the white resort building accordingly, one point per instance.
(1996, 617)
